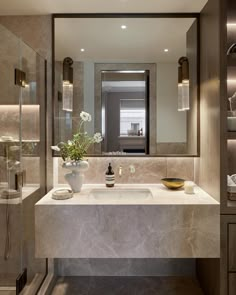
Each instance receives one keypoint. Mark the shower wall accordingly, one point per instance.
(35, 30)
(22, 158)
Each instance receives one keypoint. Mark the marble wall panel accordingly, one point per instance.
(148, 170)
(32, 167)
(10, 121)
(35, 30)
(120, 231)
(180, 167)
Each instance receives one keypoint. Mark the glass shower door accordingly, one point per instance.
(10, 162)
(32, 158)
(22, 162)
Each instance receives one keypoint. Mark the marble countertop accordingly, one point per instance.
(172, 224)
(161, 196)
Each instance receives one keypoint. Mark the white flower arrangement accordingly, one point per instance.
(85, 117)
(76, 149)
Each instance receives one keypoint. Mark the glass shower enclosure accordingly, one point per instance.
(22, 162)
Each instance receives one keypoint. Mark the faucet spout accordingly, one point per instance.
(120, 171)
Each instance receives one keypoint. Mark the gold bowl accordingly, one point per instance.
(173, 183)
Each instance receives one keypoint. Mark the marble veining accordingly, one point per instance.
(148, 169)
(160, 228)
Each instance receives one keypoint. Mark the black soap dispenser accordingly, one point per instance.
(110, 177)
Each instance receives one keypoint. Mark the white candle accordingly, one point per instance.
(189, 187)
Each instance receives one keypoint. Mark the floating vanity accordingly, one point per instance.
(128, 221)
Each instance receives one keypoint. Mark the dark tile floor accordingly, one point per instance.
(126, 286)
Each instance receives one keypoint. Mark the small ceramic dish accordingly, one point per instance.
(173, 183)
(62, 194)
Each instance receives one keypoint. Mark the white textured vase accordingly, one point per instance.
(76, 177)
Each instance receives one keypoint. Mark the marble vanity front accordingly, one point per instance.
(169, 224)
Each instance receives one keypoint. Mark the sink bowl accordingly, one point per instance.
(121, 194)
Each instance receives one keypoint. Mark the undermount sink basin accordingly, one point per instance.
(121, 194)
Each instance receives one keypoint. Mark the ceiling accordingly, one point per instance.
(29, 7)
(144, 40)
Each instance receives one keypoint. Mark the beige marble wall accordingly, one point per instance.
(32, 168)
(211, 143)
(10, 121)
(148, 169)
(35, 30)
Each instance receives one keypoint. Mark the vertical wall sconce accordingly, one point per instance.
(180, 89)
(20, 78)
(67, 95)
(183, 76)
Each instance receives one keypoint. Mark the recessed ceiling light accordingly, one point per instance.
(82, 49)
(123, 27)
(166, 50)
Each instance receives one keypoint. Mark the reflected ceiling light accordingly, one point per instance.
(125, 71)
(166, 49)
(67, 95)
(82, 49)
(131, 71)
(123, 27)
(231, 25)
(231, 80)
(183, 84)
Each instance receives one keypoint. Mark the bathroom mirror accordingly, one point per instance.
(125, 74)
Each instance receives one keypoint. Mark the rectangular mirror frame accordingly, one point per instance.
(131, 15)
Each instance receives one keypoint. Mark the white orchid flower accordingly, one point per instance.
(55, 148)
(86, 117)
(89, 118)
(69, 142)
(97, 137)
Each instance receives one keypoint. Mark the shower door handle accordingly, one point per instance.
(20, 179)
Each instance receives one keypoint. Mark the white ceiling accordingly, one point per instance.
(144, 40)
(28, 7)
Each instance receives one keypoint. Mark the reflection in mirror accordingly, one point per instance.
(124, 112)
(127, 79)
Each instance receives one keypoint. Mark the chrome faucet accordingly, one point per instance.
(120, 170)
